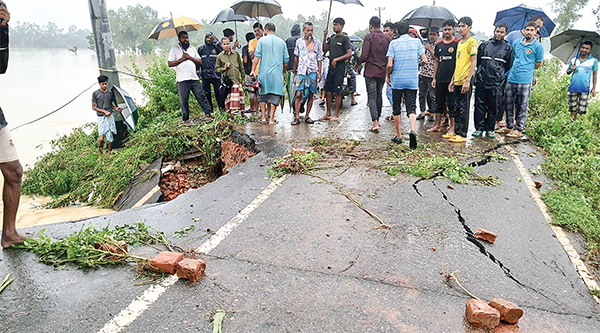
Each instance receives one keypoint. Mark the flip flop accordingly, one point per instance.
(374, 130)
(296, 121)
(309, 121)
(264, 122)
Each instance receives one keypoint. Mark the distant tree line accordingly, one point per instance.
(31, 35)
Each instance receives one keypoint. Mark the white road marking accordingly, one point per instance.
(579, 265)
(142, 303)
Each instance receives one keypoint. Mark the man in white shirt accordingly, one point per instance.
(185, 58)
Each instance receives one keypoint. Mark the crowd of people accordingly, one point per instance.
(438, 71)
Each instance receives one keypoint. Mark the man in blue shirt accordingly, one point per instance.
(515, 35)
(583, 69)
(405, 54)
(528, 56)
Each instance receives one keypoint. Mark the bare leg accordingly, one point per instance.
(376, 125)
(412, 120)
(263, 110)
(298, 104)
(101, 142)
(438, 123)
(451, 127)
(13, 173)
(338, 106)
(397, 122)
(109, 147)
(272, 114)
(309, 104)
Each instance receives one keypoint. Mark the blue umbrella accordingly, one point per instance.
(517, 17)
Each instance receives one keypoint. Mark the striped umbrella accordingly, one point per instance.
(172, 26)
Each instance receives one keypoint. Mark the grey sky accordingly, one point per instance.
(68, 12)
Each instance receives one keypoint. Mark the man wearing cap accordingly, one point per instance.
(230, 35)
(185, 59)
(208, 54)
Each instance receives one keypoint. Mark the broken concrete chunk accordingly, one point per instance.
(509, 311)
(166, 261)
(191, 269)
(480, 314)
(486, 235)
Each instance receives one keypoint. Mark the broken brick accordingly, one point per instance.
(450, 186)
(283, 165)
(480, 314)
(191, 269)
(486, 235)
(166, 261)
(509, 311)
(538, 184)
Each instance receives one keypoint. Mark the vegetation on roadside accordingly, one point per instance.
(293, 163)
(573, 150)
(75, 172)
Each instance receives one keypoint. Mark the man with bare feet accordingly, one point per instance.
(340, 50)
(445, 62)
(11, 170)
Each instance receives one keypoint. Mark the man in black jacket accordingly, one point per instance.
(493, 61)
(208, 53)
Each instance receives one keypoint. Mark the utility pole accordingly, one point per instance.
(105, 51)
(379, 9)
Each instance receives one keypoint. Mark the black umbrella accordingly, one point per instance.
(428, 16)
(257, 8)
(566, 45)
(229, 15)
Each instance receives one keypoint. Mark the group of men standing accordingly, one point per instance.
(443, 72)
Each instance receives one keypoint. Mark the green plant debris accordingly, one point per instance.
(81, 248)
(319, 141)
(295, 163)
(595, 292)
(572, 150)
(391, 170)
(185, 231)
(519, 179)
(498, 157)
(428, 167)
(75, 172)
(7, 280)
(218, 321)
(536, 171)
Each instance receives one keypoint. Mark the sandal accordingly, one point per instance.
(374, 130)
(264, 122)
(309, 121)
(296, 121)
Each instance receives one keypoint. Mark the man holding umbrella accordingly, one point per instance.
(582, 69)
(185, 59)
(229, 33)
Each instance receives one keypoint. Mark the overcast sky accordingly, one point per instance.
(67, 12)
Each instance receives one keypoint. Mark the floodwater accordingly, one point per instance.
(39, 81)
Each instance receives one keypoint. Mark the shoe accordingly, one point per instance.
(413, 140)
(490, 134)
(458, 139)
(448, 135)
(397, 140)
(477, 134)
(514, 134)
(420, 117)
(504, 130)
(187, 123)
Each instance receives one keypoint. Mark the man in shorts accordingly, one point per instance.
(11, 170)
(582, 69)
(339, 51)
(103, 103)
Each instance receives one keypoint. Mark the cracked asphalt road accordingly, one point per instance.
(309, 260)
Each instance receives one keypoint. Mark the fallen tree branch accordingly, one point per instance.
(352, 262)
(452, 276)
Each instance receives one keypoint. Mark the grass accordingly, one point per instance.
(75, 172)
(294, 163)
(573, 150)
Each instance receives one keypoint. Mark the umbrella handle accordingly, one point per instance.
(329, 14)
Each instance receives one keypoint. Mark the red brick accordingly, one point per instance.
(191, 269)
(486, 235)
(509, 311)
(480, 314)
(166, 261)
